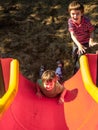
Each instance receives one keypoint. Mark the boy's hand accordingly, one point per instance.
(81, 49)
(61, 100)
(93, 44)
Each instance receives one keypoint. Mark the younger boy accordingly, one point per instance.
(49, 86)
(80, 28)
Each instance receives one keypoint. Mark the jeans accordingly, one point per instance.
(76, 56)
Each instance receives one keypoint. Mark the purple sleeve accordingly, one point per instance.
(89, 25)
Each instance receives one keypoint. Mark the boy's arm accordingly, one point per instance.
(91, 41)
(37, 87)
(38, 92)
(81, 48)
(63, 95)
(61, 99)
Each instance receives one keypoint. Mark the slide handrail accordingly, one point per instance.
(91, 88)
(8, 97)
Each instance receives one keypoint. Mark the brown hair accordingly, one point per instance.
(48, 75)
(75, 5)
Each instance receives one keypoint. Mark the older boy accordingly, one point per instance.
(80, 28)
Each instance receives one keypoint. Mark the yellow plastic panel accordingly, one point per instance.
(87, 78)
(8, 97)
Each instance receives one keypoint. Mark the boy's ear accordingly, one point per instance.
(82, 13)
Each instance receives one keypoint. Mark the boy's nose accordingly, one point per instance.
(75, 15)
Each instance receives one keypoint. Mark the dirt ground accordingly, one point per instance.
(36, 33)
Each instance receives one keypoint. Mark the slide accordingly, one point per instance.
(88, 81)
(8, 83)
(79, 111)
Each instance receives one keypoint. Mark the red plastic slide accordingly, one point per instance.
(28, 112)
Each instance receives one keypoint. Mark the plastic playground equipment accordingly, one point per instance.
(12, 88)
(91, 88)
(27, 112)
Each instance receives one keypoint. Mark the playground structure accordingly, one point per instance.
(21, 109)
(12, 85)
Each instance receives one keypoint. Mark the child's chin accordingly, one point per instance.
(75, 21)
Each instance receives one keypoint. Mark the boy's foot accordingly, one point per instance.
(97, 52)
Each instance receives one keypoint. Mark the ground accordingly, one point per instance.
(36, 33)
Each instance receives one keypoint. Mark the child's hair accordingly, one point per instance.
(48, 75)
(75, 5)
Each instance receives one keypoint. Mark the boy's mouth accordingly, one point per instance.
(75, 19)
(49, 88)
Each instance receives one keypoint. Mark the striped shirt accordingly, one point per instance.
(82, 30)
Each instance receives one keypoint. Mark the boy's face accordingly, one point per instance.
(49, 85)
(76, 16)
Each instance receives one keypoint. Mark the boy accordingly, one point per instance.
(58, 71)
(80, 28)
(49, 86)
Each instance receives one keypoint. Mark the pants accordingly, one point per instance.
(76, 56)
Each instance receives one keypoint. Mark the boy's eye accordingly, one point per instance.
(48, 81)
(75, 13)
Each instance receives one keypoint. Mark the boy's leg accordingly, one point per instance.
(92, 49)
(75, 58)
